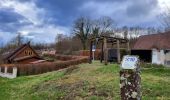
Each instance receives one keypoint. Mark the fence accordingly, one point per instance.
(39, 68)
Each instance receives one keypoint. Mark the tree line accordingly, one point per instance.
(85, 28)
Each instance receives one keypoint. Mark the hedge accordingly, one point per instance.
(33, 69)
(97, 53)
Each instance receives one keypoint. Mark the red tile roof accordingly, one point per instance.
(148, 42)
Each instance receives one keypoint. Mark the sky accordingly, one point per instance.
(42, 20)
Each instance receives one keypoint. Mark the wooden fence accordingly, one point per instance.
(32, 69)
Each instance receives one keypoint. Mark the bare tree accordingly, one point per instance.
(59, 39)
(125, 32)
(165, 19)
(66, 44)
(95, 28)
(135, 32)
(13, 43)
(19, 39)
(82, 29)
(151, 30)
(103, 26)
(106, 24)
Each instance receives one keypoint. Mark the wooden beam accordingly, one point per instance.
(128, 48)
(90, 58)
(105, 52)
(118, 51)
(101, 56)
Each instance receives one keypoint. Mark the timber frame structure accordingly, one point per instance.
(104, 50)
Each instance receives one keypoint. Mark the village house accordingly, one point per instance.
(154, 48)
(22, 55)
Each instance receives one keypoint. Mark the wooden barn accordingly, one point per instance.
(154, 48)
(23, 55)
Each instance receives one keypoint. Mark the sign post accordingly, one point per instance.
(93, 49)
(130, 79)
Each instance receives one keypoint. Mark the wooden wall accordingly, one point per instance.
(26, 52)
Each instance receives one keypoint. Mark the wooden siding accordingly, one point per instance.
(26, 52)
(23, 55)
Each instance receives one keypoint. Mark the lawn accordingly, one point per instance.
(84, 82)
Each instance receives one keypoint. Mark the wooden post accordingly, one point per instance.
(14, 72)
(118, 51)
(105, 51)
(90, 58)
(6, 69)
(128, 48)
(101, 56)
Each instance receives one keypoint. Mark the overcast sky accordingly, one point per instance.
(42, 20)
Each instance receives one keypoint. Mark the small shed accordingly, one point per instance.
(22, 55)
(106, 53)
(154, 48)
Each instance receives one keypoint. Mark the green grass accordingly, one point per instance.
(84, 82)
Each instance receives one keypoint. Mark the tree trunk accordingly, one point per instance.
(84, 44)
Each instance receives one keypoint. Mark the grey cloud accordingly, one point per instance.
(9, 16)
(11, 21)
(141, 7)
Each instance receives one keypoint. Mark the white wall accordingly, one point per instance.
(158, 56)
(167, 58)
(9, 75)
(162, 57)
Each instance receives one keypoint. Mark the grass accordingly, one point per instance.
(84, 82)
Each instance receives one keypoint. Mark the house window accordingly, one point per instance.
(28, 52)
(10, 70)
(3, 69)
(25, 52)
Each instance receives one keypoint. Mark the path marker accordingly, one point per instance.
(93, 49)
(130, 80)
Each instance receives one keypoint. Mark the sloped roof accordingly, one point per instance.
(19, 49)
(26, 57)
(15, 51)
(148, 42)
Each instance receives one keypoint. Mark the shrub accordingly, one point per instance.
(97, 53)
(32, 69)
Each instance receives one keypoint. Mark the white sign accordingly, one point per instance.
(129, 62)
(93, 48)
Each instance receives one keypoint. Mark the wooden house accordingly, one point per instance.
(23, 55)
(154, 48)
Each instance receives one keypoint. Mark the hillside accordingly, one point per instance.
(85, 81)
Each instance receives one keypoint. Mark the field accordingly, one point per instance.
(84, 82)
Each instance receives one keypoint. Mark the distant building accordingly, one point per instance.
(48, 51)
(22, 55)
(154, 48)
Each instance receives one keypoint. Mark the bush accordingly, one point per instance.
(32, 69)
(60, 57)
(97, 53)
